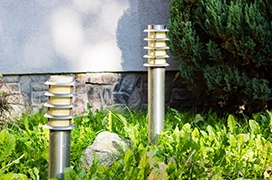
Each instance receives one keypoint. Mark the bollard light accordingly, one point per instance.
(59, 116)
(157, 55)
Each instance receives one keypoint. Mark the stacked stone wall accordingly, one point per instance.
(100, 90)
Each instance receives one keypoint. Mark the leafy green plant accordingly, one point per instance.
(7, 146)
(192, 146)
(29, 143)
(12, 176)
(199, 147)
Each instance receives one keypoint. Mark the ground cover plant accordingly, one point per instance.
(192, 146)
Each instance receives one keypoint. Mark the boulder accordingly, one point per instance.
(108, 147)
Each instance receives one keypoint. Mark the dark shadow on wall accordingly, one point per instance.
(130, 29)
(130, 39)
(128, 35)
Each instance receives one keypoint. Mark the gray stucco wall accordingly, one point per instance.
(53, 36)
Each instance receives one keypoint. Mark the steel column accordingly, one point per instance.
(59, 152)
(156, 76)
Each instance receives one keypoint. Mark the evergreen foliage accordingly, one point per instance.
(224, 49)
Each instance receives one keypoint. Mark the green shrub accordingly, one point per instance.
(224, 49)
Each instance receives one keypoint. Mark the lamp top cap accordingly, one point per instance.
(157, 27)
(61, 79)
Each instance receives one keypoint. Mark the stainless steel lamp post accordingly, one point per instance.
(59, 123)
(156, 78)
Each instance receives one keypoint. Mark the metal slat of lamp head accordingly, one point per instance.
(60, 84)
(60, 128)
(154, 57)
(150, 47)
(59, 117)
(156, 39)
(156, 28)
(60, 106)
(59, 95)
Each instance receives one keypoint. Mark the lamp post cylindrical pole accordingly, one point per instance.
(156, 79)
(59, 153)
(59, 123)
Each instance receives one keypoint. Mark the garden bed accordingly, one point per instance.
(192, 146)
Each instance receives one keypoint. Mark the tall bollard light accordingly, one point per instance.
(156, 78)
(59, 123)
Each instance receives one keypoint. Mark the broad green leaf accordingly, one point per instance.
(246, 137)
(69, 174)
(249, 157)
(144, 167)
(34, 173)
(204, 134)
(254, 127)
(259, 117)
(13, 176)
(211, 132)
(259, 142)
(186, 128)
(232, 141)
(198, 118)
(129, 158)
(7, 144)
(195, 135)
(232, 123)
(109, 125)
(130, 170)
(256, 116)
(176, 131)
(270, 119)
(240, 139)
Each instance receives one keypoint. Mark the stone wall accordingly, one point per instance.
(100, 90)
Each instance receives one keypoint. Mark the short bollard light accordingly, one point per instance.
(156, 64)
(59, 116)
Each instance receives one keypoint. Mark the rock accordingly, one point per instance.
(108, 147)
